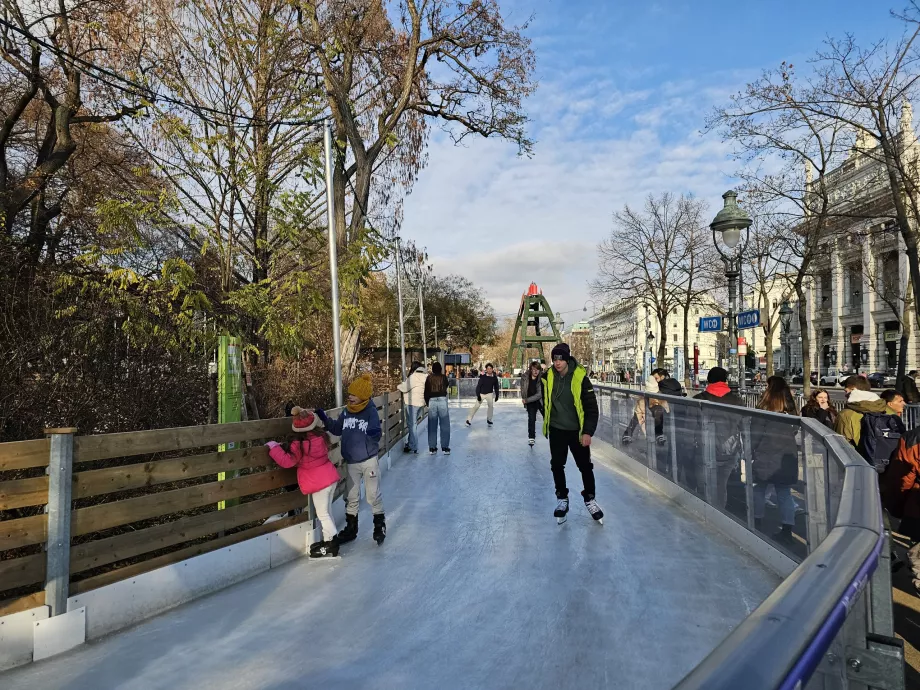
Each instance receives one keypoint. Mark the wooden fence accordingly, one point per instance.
(142, 500)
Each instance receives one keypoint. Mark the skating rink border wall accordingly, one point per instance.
(829, 624)
(33, 634)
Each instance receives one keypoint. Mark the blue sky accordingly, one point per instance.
(624, 92)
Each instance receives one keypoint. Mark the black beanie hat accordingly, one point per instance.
(562, 349)
(717, 375)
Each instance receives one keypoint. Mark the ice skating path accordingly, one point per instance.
(475, 587)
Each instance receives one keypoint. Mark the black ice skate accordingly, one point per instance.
(325, 549)
(595, 510)
(380, 529)
(530, 442)
(562, 510)
(350, 532)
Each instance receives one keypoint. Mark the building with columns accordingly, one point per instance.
(859, 290)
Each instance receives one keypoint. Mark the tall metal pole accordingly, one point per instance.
(421, 319)
(333, 267)
(402, 318)
(440, 359)
(388, 351)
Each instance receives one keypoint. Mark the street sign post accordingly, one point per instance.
(748, 319)
(710, 324)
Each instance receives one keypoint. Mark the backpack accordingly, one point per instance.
(878, 438)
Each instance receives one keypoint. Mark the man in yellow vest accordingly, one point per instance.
(569, 421)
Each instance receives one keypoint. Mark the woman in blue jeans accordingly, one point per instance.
(775, 456)
(436, 386)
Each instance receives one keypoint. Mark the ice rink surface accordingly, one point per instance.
(476, 586)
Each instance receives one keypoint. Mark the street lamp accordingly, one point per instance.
(729, 224)
(785, 318)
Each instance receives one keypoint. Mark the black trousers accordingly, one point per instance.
(561, 441)
(532, 409)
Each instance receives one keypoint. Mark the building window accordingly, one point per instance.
(675, 337)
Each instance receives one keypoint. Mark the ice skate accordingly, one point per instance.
(627, 439)
(530, 442)
(489, 422)
(446, 451)
(468, 423)
(380, 528)
(325, 549)
(350, 531)
(595, 510)
(562, 510)
(432, 451)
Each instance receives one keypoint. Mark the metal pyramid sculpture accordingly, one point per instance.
(528, 338)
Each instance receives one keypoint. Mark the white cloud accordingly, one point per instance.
(504, 221)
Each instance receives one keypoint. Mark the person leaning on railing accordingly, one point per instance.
(900, 488)
(726, 429)
(775, 455)
(820, 407)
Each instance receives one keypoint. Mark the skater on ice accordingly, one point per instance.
(308, 451)
(532, 396)
(569, 420)
(487, 387)
(359, 427)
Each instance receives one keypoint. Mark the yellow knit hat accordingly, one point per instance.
(362, 387)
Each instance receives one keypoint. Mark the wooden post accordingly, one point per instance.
(60, 477)
(386, 425)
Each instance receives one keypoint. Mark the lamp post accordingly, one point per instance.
(785, 318)
(732, 224)
(593, 331)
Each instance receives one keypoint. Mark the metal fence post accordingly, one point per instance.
(709, 459)
(672, 442)
(747, 461)
(815, 489)
(650, 447)
(386, 427)
(60, 478)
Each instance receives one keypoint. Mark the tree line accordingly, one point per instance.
(162, 182)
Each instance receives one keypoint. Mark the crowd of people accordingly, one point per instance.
(564, 396)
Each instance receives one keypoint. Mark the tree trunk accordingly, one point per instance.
(806, 341)
(663, 340)
(768, 350)
(905, 339)
(687, 368)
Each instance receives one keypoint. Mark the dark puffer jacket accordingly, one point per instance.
(775, 451)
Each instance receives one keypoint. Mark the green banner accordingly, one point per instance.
(229, 394)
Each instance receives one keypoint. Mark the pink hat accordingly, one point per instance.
(303, 420)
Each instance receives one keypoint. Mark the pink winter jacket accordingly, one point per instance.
(310, 456)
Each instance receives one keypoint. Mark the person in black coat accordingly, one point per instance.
(487, 387)
(725, 428)
(821, 408)
(775, 455)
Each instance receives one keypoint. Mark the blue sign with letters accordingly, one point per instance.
(710, 324)
(748, 319)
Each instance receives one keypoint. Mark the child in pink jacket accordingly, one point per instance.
(308, 451)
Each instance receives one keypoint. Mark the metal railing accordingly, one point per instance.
(829, 625)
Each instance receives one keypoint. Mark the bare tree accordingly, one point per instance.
(388, 70)
(868, 90)
(646, 255)
(766, 261)
(699, 271)
(787, 151)
(43, 46)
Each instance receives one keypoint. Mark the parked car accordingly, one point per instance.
(881, 380)
(833, 377)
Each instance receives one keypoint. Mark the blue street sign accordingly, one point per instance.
(710, 324)
(748, 319)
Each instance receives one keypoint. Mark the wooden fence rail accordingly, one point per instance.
(133, 514)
